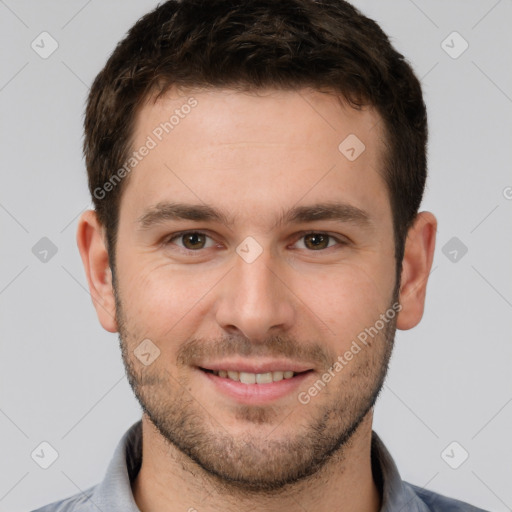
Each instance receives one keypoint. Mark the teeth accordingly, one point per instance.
(255, 378)
(277, 376)
(247, 378)
(233, 375)
(263, 378)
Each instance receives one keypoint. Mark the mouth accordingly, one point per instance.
(259, 386)
(255, 378)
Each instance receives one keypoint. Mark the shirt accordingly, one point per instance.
(114, 493)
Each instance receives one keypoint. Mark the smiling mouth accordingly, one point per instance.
(254, 378)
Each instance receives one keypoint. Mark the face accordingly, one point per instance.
(256, 254)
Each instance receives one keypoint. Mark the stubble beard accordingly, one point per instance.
(263, 465)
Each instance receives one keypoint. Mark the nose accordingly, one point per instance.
(255, 300)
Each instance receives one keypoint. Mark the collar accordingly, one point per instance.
(114, 492)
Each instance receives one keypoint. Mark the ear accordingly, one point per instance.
(418, 256)
(91, 244)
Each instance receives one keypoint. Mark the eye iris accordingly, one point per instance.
(194, 241)
(316, 241)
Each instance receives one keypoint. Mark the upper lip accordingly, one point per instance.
(261, 366)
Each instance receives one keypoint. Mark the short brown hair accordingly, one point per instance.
(250, 44)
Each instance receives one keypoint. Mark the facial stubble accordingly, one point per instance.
(245, 462)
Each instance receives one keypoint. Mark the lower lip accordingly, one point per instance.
(256, 393)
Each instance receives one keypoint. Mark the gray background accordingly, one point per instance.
(61, 376)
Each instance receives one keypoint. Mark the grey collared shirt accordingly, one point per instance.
(114, 493)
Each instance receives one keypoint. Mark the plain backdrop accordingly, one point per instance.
(61, 376)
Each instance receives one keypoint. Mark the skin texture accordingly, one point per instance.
(254, 156)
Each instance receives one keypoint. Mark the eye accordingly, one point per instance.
(316, 241)
(191, 240)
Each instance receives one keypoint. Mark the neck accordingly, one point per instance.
(169, 480)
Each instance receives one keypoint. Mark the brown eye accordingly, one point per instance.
(189, 242)
(316, 241)
(193, 241)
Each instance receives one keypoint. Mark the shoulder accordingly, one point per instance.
(79, 502)
(439, 503)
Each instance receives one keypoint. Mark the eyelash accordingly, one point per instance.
(168, 241)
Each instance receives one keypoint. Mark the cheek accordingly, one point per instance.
(347, 299)
(164, 300)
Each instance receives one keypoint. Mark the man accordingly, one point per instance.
(256, 170)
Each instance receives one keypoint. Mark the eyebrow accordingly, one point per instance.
(164, 211)
(341, 212)
(337, 211)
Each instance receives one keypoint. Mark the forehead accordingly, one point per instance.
(265, 149)
(226, 115)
